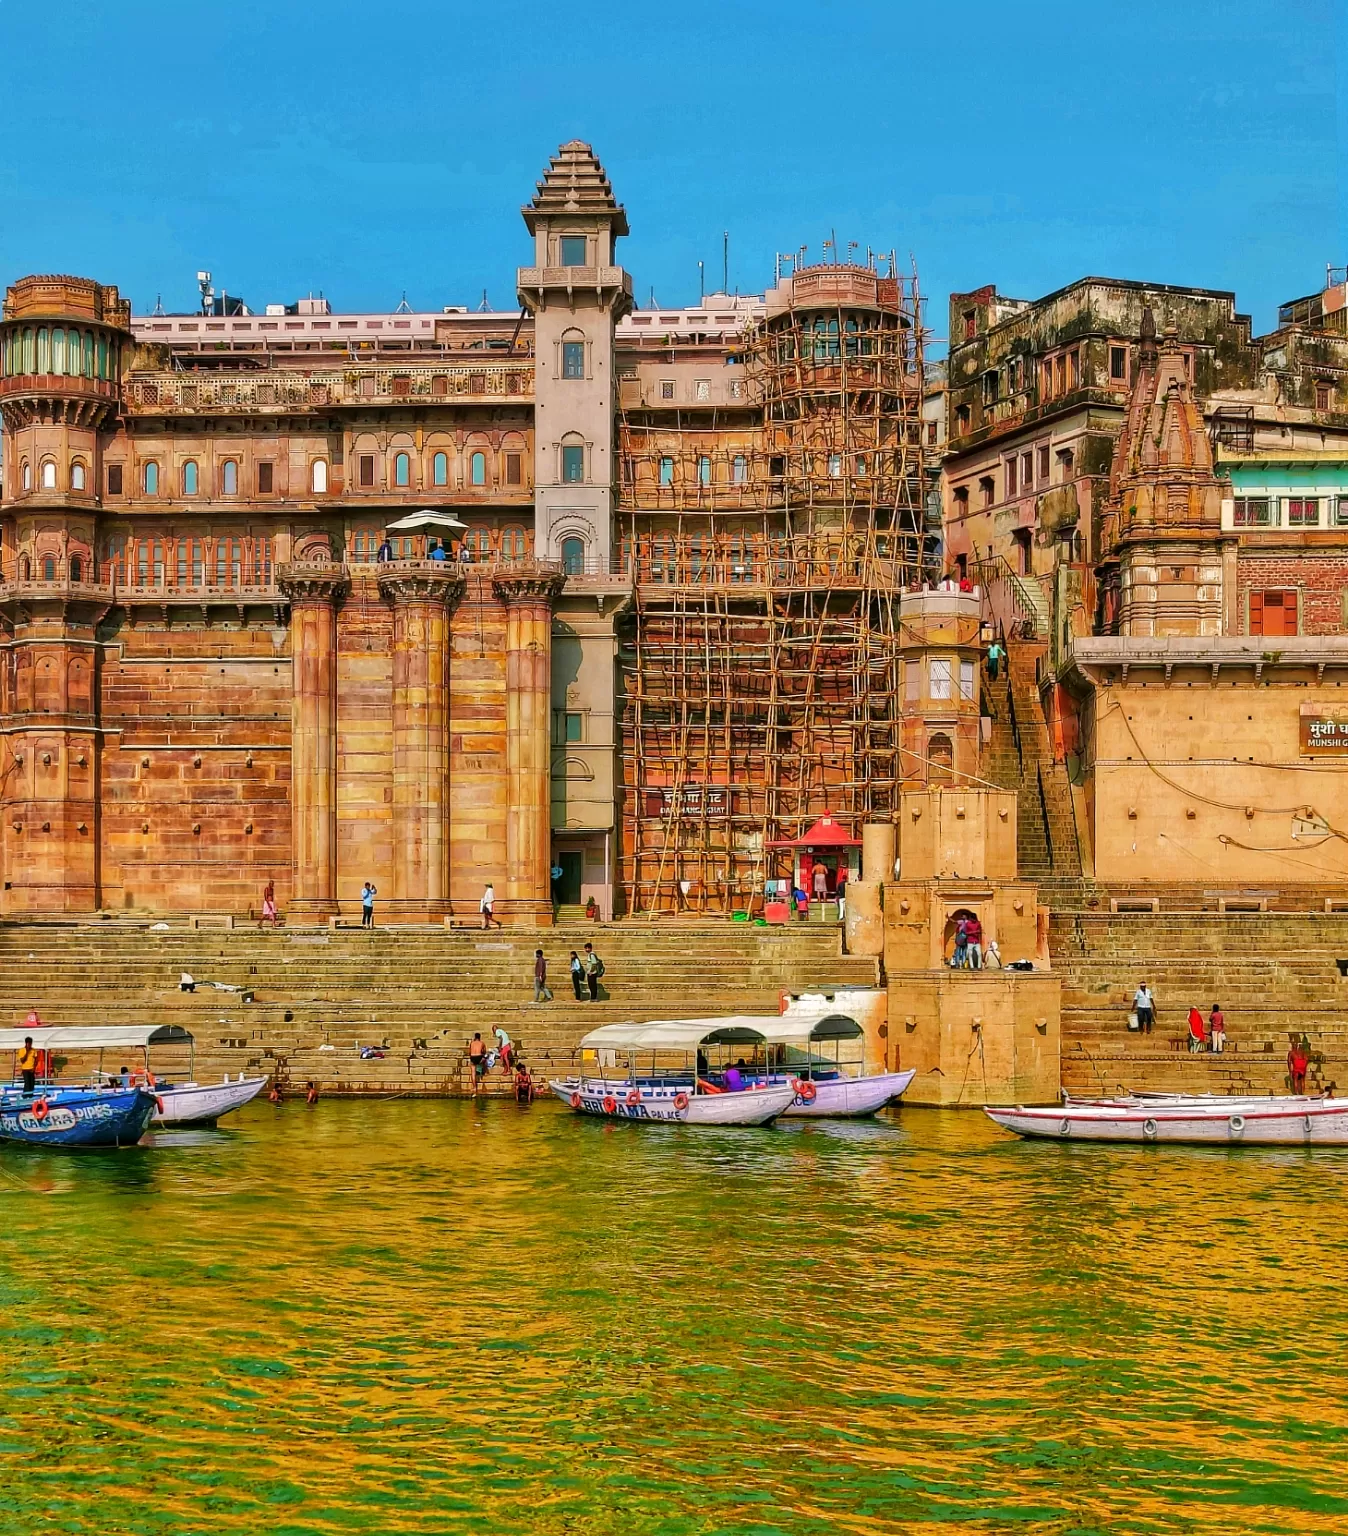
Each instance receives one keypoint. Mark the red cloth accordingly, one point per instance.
(1196, 1025)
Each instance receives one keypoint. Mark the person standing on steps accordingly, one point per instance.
(1144, 1005)
(505, 1051)
(1298, 1060)
(1217, 1029)
(961, 956)
(577, 977)
(1198, 1037)
(542, 994)
(268, 904)
(995, 654)
(477, 1060)
(594, 969)
(487, 907)
(973, 938)
(367, 896)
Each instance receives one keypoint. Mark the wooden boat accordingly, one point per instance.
(822, 1088)
(172, 1103)
(1195, 1121)
(671, 1090)
(202, 1104)
(76, 1117)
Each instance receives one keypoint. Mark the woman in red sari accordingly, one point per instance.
(1198, 1035)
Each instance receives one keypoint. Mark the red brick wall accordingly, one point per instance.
(1319, 579)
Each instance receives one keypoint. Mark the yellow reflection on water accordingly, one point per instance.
(421, 1317)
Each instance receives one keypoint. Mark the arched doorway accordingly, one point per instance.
(940, 759)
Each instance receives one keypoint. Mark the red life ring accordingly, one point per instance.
(805, 1091)
(40, 1110)
(610, 1105)
(159, 1104)
(633, 1097)
(575, 1101)
(680, 1101)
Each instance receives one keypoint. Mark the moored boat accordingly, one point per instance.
(1194, 1121)
(202, 1104)
(822, 1088)
(76, 1117)
(674, 1088)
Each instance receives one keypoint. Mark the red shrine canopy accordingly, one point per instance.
(825, 833)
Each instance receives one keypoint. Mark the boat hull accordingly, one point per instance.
(657, 1105)
(204, 1103)
(77, 1117)
(1250, 1123)
(849, 1098)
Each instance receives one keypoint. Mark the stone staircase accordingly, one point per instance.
(1019, 756)
(318, 996)
(1272, 973)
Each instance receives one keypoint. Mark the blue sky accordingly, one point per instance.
(364, 150)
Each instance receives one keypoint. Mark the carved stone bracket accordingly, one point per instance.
(313, 581)
(528, 581)
(421, 581)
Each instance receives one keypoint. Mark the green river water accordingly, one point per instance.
(441, 1317)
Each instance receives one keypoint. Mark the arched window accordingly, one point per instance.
(477, 541)
(77, 476)
(29, 353)
(49, 474)
(573, 355)
(49, 568)
(229, 478)
(940, 759)
(89, 355)
(150, 479)
(190, 478)
(58, 350)
(704, 470)
(477, 469)
(318, 475)
(741, 470)
(573, 556)
(26, 475)
(43, 350)
(103, 371)
(512, 543)
(76, 568)
(25, 568)
(573, 463)
(440, 469)
(402, 469)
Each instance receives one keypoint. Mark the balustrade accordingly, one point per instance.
(281, 391)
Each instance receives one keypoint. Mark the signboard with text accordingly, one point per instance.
(1324, 733)
(698, 800)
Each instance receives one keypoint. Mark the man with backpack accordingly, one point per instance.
(594, 969)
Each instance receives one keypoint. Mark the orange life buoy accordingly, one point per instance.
(633, 1097)
(805, 1091)
(707, 1087)
(40, 1110)
(610, 1105)
(680, 1101)
(575, 1101)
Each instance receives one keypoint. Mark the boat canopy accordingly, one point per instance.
(94, 1039)
(679, 1034)
(806, 1029)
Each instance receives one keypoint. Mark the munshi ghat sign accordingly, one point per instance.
(1324, 733)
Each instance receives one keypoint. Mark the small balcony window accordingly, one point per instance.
(573, 556)
(573, 464)
(77, 476)
(49, 475)
(741, 470)
(190, 478)
(265, 479)
(704, 470)
(365, 470)
(318, 476)
(572, 250)
(573, 359)
(666, 471)
(229, 478)
(402, 470)
(514, 469)
(150, 480)
(440, 469)
(477, 469)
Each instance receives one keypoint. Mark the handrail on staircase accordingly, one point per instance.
(997, 568)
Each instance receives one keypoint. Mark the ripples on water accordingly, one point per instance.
(430, 1317)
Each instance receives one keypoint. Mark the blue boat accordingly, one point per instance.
(76, 1117)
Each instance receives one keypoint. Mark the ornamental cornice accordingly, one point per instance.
(524, 581)
(313, 581)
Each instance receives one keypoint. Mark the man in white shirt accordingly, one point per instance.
(1144, 1005)
(487, 906)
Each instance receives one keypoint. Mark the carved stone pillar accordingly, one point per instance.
(424, 594)
(314, 589)
(529, 590)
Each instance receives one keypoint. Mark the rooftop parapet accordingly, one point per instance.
(60, 296)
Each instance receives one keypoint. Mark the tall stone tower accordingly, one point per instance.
(1165, 502)
(61, 343)
(576, 292)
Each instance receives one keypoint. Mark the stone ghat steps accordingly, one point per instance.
(1100, 1074)
(1142, 934)
(397, 987)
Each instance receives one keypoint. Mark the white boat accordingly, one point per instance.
(672, 1090)
(822, 1088)
(204, 1103)
(1195, 1121)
